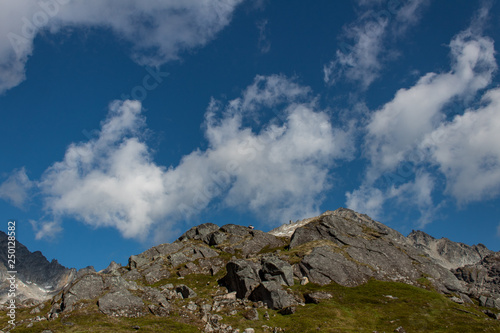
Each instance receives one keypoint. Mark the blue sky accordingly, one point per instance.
(124, 123)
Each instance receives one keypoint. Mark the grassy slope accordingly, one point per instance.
(360, 309)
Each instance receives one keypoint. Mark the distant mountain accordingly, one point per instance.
(215, 279)
(37, 278)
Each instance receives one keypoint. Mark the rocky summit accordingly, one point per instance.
(339, 271)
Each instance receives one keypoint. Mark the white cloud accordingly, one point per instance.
(361, 59)
(467, 151)
(16, 188)
(413, 128)
(157, 30)
(398, 127)
(279, 170)
(46, 230)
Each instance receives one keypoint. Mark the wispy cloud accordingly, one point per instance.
(277, 169)
(363, 50)
(264, 44)
(157, 30)
(16, 188)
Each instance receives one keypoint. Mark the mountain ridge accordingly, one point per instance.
(251, 268)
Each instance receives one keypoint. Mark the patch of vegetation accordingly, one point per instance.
(367, 308)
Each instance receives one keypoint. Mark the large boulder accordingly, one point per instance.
(88, 287)
(272, 294)
(242, 276)
(199, 232)
(275, 269)
(121, 303)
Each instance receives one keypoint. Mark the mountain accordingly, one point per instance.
(340, 271)
(37, 278)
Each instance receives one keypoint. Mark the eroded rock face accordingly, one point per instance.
(352, 248)
(482, 278)
(121, 303)
(448, 254)
(88, 287)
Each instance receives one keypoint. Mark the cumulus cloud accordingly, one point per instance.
(467, 151)
(361, 58)
(399, 125)
(278, 169)
(16, 188)
(413, 128)
(157, 30)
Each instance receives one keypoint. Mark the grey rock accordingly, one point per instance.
(260, 240)
(199, 232)
(273, 295)
(483, 277)
(85, 271)
(457, 300)
(121, 303)
(237, 230)
(154, 296)
(112, 268)
(275, 269)
(242, 276)
(351, 248)
(185, 291)
(447, 253)
(132, 275)
(317, 297)
(192, 307)
(33, 267)
(249, 330)
(155, 271)
(137, 261)
(88, 287)
(489, 302)
(251, 314)
(216, 238)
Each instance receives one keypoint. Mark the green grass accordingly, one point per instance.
(361, 309)
(365, 309)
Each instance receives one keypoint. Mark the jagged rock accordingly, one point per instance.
(259, 241)
(242, 276)
(192, 307)
(199, 232)
(37, 277)
(317, 297)
(235, 229)
(275, 269)
(482, 277)
(121, 303)
(448, 254)
(132, 275)
(272, 294)
(137, 261)
(155, 271)
(489, 302)
(216, 238)
(115, 282)
(85, 271)
(249, 330)
(185, 291)
(88, 287)
(112, 268)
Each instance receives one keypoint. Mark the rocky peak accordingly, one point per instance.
(38, 278)
(447, 253)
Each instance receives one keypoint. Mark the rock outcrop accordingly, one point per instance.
(244, 270)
